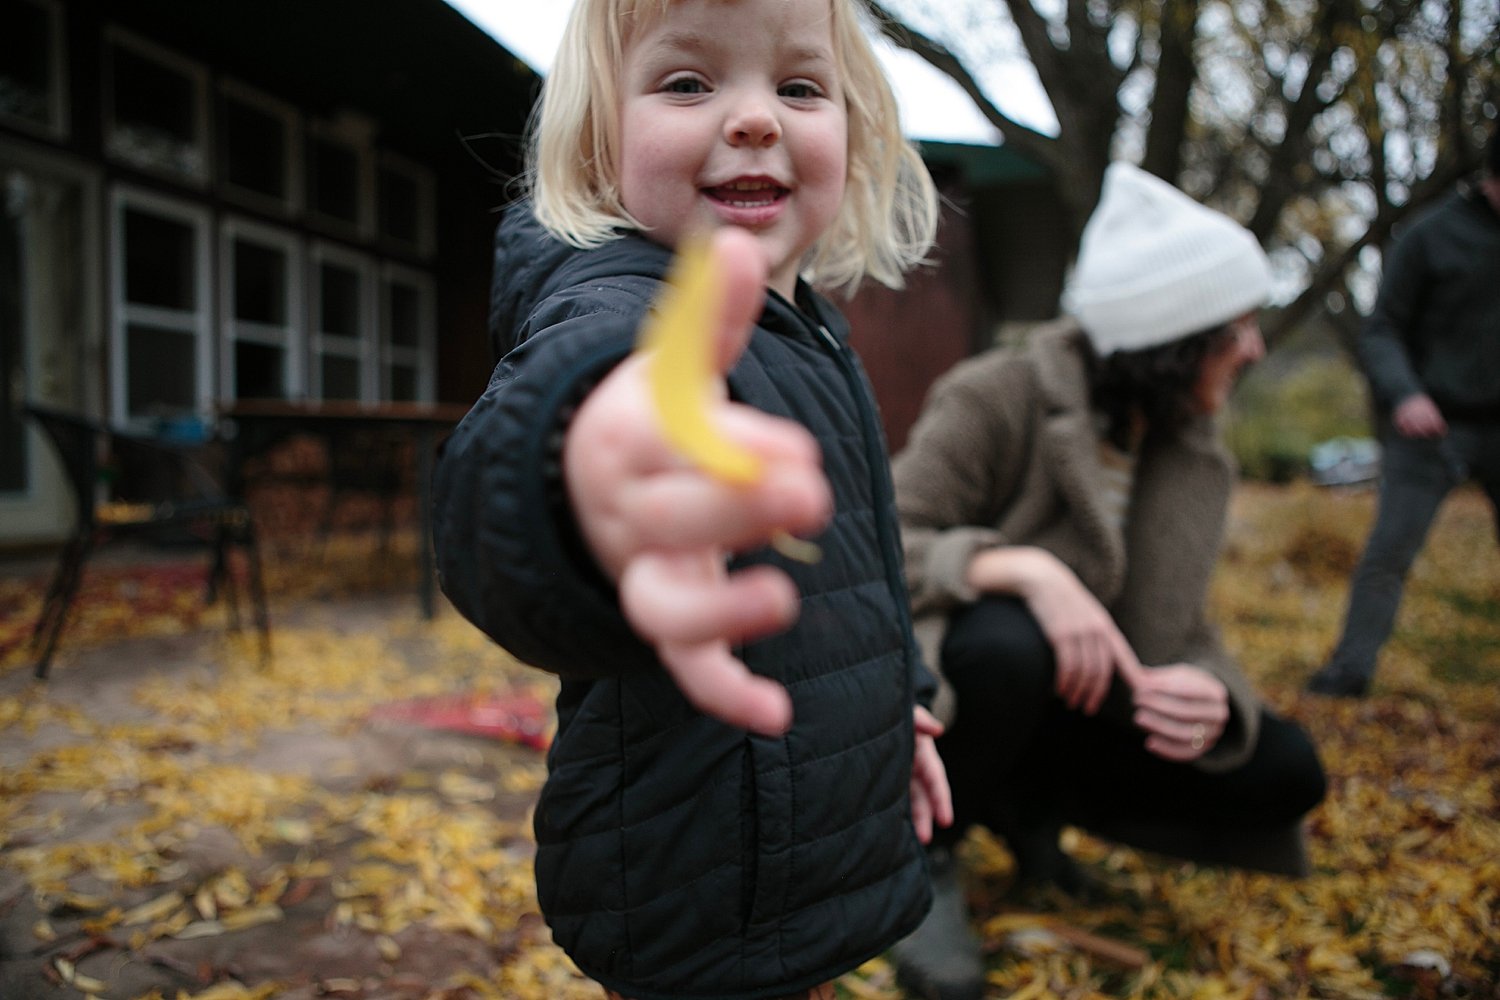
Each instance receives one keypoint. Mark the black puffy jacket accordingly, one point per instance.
(677, 856)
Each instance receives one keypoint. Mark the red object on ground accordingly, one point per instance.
(514, 718)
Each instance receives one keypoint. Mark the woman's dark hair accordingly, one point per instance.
(1156, 383)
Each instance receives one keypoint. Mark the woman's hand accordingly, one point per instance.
(1086, 644)
(1182, 708)
(662, 529)
(931, 801)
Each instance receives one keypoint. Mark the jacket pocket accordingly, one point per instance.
(769, 823)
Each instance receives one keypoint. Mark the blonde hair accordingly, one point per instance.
(888, 218)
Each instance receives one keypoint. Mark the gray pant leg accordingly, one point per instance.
(1416, 475)
(1480, 445)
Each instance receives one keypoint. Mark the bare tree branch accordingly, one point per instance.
(1176, 73)
(1331, 272)
(1280, 182)
(1038, 145)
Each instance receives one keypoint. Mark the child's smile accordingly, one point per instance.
(732, 113)
(748, 194)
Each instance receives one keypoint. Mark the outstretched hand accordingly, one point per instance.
(662, 529)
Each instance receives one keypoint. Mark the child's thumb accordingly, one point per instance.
(740, 263)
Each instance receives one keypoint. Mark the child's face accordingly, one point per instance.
(732, 113)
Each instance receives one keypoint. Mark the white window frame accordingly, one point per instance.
(291, 166)
(421, 357)
(44, 510)
(426, 204)
(198, 322)
(289, 335)
(363, 346)
(197, 74)
(58, 122)
(355, 133)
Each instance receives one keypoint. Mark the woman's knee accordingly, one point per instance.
(1294, 766)
(996, 643)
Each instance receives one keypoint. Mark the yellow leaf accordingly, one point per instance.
(200, 929)
(267, 913)
(678, 337)
(157, 909)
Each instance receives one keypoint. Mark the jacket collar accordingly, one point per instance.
(1071, 440)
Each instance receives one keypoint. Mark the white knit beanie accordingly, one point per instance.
(1155, 266)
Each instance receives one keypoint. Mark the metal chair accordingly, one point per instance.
(159, 491)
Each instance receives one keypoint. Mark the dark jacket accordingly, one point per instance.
(1436, 323)
(678, 856)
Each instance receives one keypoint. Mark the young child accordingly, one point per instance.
(742, 776)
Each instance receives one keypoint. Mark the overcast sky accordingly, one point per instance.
(932, 105)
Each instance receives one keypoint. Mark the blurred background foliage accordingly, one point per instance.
(1320, 124)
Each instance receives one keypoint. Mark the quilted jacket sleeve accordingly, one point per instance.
(508, 553)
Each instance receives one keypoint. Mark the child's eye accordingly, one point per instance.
(685, 85)
(800, 90)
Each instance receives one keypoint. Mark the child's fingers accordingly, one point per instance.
(742, 266)
(683, 509)
(686, 598)
(921, 812)
(931, 802)
(719, 685)
(929, 773)
(926, 723)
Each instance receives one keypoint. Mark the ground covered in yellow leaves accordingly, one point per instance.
(179, 820)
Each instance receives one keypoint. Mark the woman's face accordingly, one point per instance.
(733, 115)
(1221, 368)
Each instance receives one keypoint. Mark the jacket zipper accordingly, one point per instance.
(880, 490)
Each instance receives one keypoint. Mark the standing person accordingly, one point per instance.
(742, 777)
(1431, 350)
(1062, 506)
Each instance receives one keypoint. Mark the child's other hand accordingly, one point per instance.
(662, 529)
(931, 801)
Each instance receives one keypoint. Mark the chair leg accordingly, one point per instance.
(257, 589)
(59, 598)
(221, 575)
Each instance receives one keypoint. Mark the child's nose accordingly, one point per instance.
(752, 123)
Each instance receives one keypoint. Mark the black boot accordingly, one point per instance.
(940, 960)
(1339, 682)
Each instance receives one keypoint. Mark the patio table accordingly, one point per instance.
(250, 427)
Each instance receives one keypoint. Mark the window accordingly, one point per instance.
(340, 177)
(156, 109)
(31, 66)
(404, 204)
(160, 348)
(343, 328)
(259, 149)
(261, 299)
(406, 336)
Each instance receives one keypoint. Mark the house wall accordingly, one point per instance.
(151, 277)
(999, 263)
